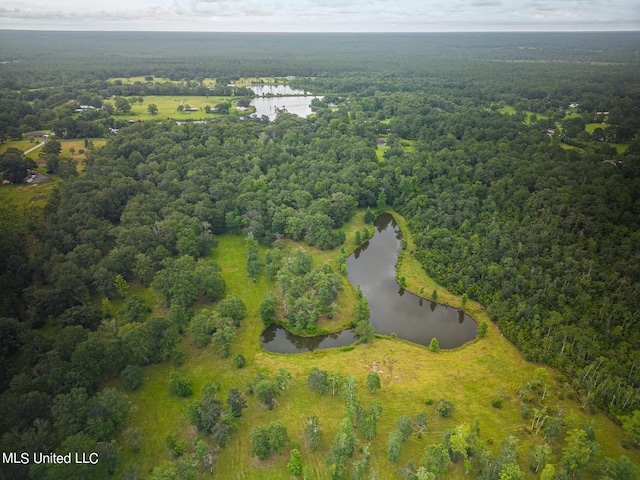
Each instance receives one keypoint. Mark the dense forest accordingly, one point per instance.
(514, 158)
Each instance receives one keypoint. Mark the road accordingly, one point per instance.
(34, 148)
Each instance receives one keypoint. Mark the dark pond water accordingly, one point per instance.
(277, 339)
(393, 310)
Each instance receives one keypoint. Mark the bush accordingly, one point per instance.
(496, 402)
(180, 386)
(444, 408)
(131, 377)
(239, 361)
(482, 329)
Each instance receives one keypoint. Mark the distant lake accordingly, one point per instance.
(261, 90)
(281, 97)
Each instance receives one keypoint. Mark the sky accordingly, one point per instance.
(322, 15)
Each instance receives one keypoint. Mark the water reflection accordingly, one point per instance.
(393, 309)
(277, 339)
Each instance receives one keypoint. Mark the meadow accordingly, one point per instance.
(469, 376)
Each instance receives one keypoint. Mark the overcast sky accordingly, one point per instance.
(321, 15)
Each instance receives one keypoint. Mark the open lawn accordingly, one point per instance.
(168, 107)
(141, 79)
(407, 146)
(469, 376)
(509, 110)
(77, 145)
(26, 195)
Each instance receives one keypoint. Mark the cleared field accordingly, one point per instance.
(469, 376)
(168, 107)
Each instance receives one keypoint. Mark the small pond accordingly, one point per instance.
(272, 98)
(393, 310)
(261, 90)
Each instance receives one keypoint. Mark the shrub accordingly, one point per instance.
(131, 377)
(239, 361)
(180, 386)
(444, 408)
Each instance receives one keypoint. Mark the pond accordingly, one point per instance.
(269, 106)
(393, 309)
(286, 98)
(261, 90)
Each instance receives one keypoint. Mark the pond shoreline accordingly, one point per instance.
(408, 314)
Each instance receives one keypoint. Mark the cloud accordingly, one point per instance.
(486, 3)
(322, 15)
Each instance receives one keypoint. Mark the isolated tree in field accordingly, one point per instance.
(259, 439)
(335, 380)
(295, 462)
(444, 408)
(152, 108)
(405, 427)
(482, 329)
(420, 423)
(266, 392)
(180, 386)
(236, 402)
(317, 380)
(434, 346)
(239, 361)
(373, 382)
(312, 433)
(282, 379)
(394, 447)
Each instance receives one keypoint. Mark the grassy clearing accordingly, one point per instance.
(141, 79)
(468, 376)
(591, 127)
(509, 110)
(168, 107)
(26, 195)
(22, 145)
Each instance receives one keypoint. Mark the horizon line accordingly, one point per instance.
(8, 29)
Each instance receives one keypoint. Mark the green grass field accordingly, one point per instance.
(509, 110)
(168, 107)
(468, 376)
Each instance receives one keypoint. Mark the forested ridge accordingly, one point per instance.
(523, 211)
